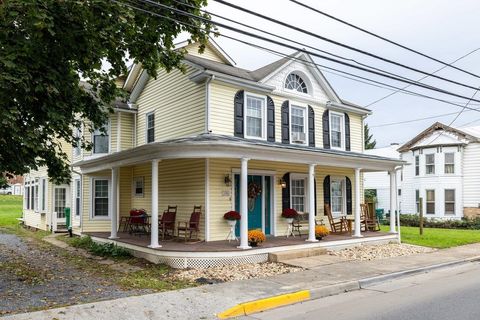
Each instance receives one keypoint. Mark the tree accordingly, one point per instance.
(3, 181)
(370, 143)
(48, 46)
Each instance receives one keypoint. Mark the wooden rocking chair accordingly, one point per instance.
(192, 226)
(338, 225)
(368, 219)
(166, 225)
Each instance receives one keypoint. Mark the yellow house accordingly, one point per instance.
(225, 138)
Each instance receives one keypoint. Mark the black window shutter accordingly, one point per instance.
(326, 190)
(270, 120)
(238, 114)
(311, 127)
(285, 123)
(326, 129)
(347, 132)
(348, 189)
(286, 192)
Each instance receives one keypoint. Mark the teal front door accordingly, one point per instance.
(255, 205)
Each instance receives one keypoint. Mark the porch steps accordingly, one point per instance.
(294, 254)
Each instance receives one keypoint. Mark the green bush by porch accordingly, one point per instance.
(437, 238)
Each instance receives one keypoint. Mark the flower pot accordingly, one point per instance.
(232, 223)
(289, 220)
(319, 238)
(253, 244)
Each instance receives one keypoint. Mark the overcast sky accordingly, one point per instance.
(443, 29)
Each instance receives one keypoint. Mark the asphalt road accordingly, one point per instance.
(452, 293)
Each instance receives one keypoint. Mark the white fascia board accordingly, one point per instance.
(137, 90)
(343, 107)
(221, 149)
(200, 76)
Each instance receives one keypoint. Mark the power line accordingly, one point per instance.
(303, 50)
(415, 120)
(226, 3)
(383, 38)
(293, 58)
(424, 77)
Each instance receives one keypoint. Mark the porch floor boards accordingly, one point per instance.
(223, 245)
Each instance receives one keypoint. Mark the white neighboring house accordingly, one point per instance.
(443, 170)
(380, 181)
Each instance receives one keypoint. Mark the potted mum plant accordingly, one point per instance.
(289, 214)
(255, 237)
(321, 231)
(232, 217)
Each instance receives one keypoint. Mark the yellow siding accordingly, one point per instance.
(127, 130)
(89, 224)
(209, 52)
(113, 132)
(356, 132)
(221, 198)
(178, 103)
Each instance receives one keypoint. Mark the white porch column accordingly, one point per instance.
(357, 204)
(114, 217)
(244, 204)
(393, 200)
(311, 203)
(154, 220)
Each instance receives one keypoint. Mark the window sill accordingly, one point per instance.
(100, 218)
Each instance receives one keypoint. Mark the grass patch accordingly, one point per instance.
(10, 210)
(437, 238)
(154, 277)
(23, 272)
(99, 249)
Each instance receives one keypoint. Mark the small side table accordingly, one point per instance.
(290, 229)
(231, 234)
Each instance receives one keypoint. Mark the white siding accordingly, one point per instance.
(471, 178)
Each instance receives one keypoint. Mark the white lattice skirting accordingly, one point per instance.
(201, 263)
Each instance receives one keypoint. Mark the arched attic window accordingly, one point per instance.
(296, 83)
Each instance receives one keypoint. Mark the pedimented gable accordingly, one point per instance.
(212, 52)
(276, 73)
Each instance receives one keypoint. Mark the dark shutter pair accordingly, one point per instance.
(286, 193)
(239, 116)
(348, 191)
(326, 130)
(286, 124)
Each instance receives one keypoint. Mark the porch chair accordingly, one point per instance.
(191, 226)
(368, 219)
(338, 225)
(167, 222)
(137, 222)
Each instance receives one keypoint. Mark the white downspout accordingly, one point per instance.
(207, 103)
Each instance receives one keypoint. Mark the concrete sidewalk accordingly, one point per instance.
(321, 279)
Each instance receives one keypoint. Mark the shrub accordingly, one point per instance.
(289, 213)
(99, 249)
(413, 220)
(232, 215)
(256, 236)
(321, 231)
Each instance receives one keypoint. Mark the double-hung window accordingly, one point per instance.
(35, 200)
(298, 125)
(417, 165)
(27, 195)
(449, 162)
(43, 194)
(150, 127)
(78, 192)
(78, 137)
(100, 141)
(255, 120)
(298, 194)
(430, 163)
(449, 201)
(32, 195)
(100, 198)
(138, 186)
(337, 194)
(337, 130)
(417, 200)
(430, 201)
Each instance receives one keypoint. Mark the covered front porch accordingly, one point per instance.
(215, 173)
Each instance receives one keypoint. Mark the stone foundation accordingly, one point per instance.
(471, 213)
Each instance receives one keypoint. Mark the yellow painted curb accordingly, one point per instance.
(251, 307)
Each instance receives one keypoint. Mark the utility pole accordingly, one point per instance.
(420, 208)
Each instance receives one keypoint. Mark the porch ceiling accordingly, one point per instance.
(219, 146)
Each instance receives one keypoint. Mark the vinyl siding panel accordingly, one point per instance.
(178, 104)
(221, 199)
(356, 132)
(90, 224)
(209, 52)
(127, 130)
(471, 178)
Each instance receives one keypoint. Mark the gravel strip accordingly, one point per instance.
(375, 252)
(235, 272)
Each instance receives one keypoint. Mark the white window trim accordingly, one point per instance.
(342, 124)
(135, 179)
(67, 191)
(92, 197)
(146, 126)
(264, 115)
(77, 151)
(445, 164)
(434, 202)
(298, 105)
(36, 198)
(305, 79)
(454, 203)
(434, 164)
(77, 214)
(109, 132)
(415, 165)
(343, 181)
(300, 176)
(42, 195)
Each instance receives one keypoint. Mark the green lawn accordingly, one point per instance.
(438, 238)
(10, 210)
